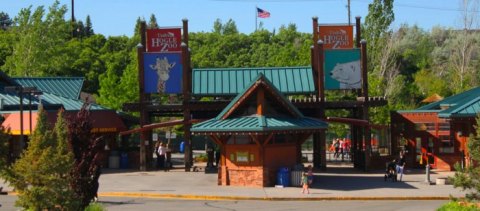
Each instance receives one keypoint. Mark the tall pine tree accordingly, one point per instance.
(41, 175)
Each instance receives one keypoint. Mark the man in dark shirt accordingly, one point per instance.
(401, 166)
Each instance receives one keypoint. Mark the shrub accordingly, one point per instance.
(457, 206)
(95, 207)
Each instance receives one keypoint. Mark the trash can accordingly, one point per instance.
(296, 178)
(124, 161)
(182, 147)
(283, 177)
(113, 160)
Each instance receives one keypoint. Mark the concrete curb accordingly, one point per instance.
(217, 198)
(306, 198)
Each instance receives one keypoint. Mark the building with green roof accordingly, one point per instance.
(259, 132)
(21, 97)
(437, 133)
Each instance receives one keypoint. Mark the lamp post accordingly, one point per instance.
(20, 90)
(34, 93)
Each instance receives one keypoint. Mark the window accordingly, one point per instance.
(240, 139)
(418, 148)
(446, 144)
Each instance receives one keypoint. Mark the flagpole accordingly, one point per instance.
(256, 15)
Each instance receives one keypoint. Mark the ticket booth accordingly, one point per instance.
(259, 132)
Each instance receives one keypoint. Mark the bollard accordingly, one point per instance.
(427, 174)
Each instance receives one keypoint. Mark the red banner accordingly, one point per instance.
(164, 40)
(336, 37)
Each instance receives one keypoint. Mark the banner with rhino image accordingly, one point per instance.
(342, 69)
(163, 73)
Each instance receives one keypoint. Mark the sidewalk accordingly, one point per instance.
(338, 183)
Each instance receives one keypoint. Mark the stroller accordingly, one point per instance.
(391, 172)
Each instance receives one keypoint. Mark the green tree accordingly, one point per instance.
(88, 27)
(152, 24)
(468, 178)
(5, 21)
(377, 23)
(41, 175)
(4, 149)
(40, 48)
(7, 39)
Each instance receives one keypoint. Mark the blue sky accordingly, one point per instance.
(117, 17)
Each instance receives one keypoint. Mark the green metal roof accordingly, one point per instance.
(258, 124)
(465, 104)
(13, 100)
(231, 81)
(276, 92)
(69, 87)
(68, 104)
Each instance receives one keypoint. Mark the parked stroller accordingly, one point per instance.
(391, 172)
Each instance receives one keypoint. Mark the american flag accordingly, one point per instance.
(262, 13)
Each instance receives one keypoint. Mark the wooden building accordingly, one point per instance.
(437, 133)
(259, 132)
(19, 108)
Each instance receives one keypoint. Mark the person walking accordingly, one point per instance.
(157, 146)
(162, 151)
(401, 166)
(336, 144)
(310, 175)
(342, 145)
(305, 183)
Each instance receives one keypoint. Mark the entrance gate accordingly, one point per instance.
(312, 105)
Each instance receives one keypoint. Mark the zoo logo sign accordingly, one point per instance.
(336, 37)
(164, 40)
(343, 69)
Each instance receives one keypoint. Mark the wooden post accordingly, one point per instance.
(260, 102)
(188, 157)
(185, 31)
(358, 34)
(186, 109)
(367, 136)
(321, 109)
(315, 51)
(143, 116)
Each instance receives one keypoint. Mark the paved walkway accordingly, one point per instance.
(338, 183)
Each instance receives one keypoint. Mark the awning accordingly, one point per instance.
(102, 121)
(105, 121)
(12, 122)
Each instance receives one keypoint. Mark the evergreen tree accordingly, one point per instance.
(41, 175)
(468, 178)
(88, 27)
(152, 24)
(5, 21)
(4, 138)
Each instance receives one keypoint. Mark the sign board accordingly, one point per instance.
(163, 73)
(168, 134)
(336, 36)
(342, 69)
(154, 137)
(164, 40)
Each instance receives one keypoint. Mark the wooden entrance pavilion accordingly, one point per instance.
(258, 132)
